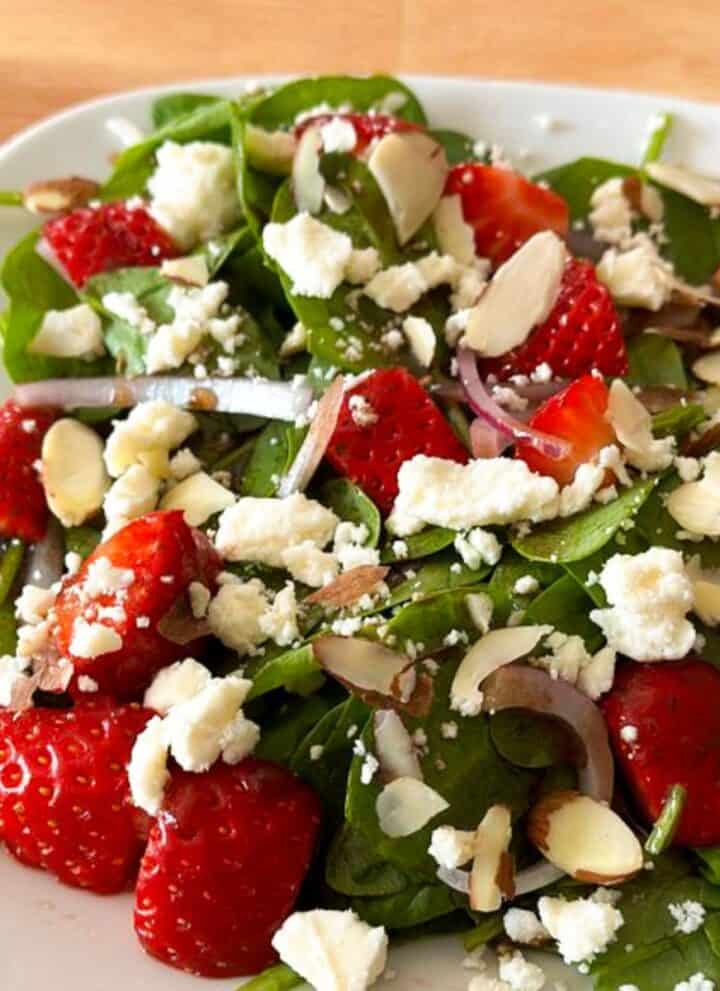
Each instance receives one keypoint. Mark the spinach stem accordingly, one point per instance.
(658, 136)
(9, 197)
(667, 822)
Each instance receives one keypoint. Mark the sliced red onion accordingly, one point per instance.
(519, 687)
(540, 875)
(485, 440)
(455, 878)
(47, 254)
(315, 444)
(45, 563)
(255, 396)
(486, 407)
(538, 392)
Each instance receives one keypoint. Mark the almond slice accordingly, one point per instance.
(421, 338)
(707, 369)
(362, 664)
(519, 297)
(406, 805)
(455, 236)
(696, 187)
(307, 181)
(57, 195)
(491, 652)
(350, 586)
(706, 605)
(270, 151)
(491, 877)
(695, 506)
(585, 838)
(394, 747)
(410, 170)
(73, 471)
(189, 271)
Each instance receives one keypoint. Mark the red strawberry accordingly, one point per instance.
(504, 208)
(64, 793)
(23, 510)
(577, 414)
(391, 421)
(102, 238)
(368, 127)
(223, 867)
(581, 333)
(675, 709)
(160, 555)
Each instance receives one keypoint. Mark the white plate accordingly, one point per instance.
(56, 937)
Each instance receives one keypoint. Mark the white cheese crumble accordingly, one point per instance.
(689, 916)
(196, 316)
(310, 565)
(637, 275)
(72, 333)
(175, 684)
(451, 848)
(519, 974)
(487, 491)
(338, 135)
(698, 982)
(93, 639)
(582, 927)
(314, 256)
(361, 411)
(649, 595)
(133, 494)
(478, 547)
(611, 215)
(332, 950)
(523, 926)
(526, 585)
(146, 437)
(193, 191)
(12, 675)
(126, 306)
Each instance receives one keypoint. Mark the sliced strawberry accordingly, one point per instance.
(504, 208)
(674, 711)
(103, 238)
(223, 867)
(581, 334)
(384, 420)
(157, 557)
(577, 414)
(64, 793)
(368, 127)
(23, 509)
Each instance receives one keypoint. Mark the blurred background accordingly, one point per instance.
(53, 53)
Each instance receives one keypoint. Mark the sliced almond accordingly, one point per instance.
(480, 606)
(707, 369)
(455, 236)
(491, 877)
(406, 805)
(199, 496)
(491, 652)
(350, 586)
(585, 838)
(421, 338)
(270, 151)
(394, 747)
(189, 271)
(307, 181)
(696, 187)
(73, 471)
(363, 664)
(410, 170)
(519, 297)
(57, 195)
(633, 427)
(695, 507)
(706, 605)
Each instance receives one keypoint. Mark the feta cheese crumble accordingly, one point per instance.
(689, 916)
(582, 927)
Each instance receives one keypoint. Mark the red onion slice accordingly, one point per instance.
(257, 397)
(315, 444)
(519, 687)
(45, 563)
(486, 407)
(485, 440)
(455, 878)
(540, 875)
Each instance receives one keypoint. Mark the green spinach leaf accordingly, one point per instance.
(655, 361)
(12, 558)
(272, 456)
(566, 607)
(577, 181)
(429, 541)
(350, 503)
(414, 906)
(167, 109)
(353, 868)
(295, 671)
(440, 574)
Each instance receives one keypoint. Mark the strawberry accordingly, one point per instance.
(102, 238)
(158, 556)
(504, 208)
(386, 419)
(64, 792)
(223, 867)
(675, 709)
(581, 333)
(368, 127)
(577, 414)
(23, 509)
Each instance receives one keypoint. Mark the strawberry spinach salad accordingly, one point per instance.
(359, 575)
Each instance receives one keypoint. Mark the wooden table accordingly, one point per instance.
(55, 52)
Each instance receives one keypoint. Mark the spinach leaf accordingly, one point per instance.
(8, 628)
(288, 724)
(12, 558)
(350, 503)
(295, 671)
(577, 181)
(414, 906)
(529, 740)
(467, 771)
(502, 583)
(566, 606)
(277, 978)
(693, 237)
(654, 361)
(710, 857)
(565, 540)
(352, 867)
(167, 109)
(133, 168)
(458, 147)
(272, 456)
(427, 624)
(585, 571)
(442, 573)
(487, 929)
(33, 288)
(429, 541)
(281, 107)
(658, 527)
(81, 540)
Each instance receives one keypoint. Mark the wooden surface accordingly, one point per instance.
(56, 52)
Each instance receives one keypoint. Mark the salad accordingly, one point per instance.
(359, 576)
